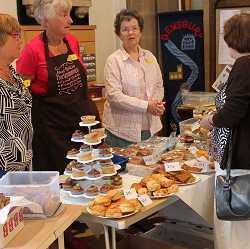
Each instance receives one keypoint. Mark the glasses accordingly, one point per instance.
(16, 35)
(132, 30)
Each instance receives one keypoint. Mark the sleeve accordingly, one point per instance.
(114, 93)
(3, 161)
(27, 62)
(159, 89)
(238, 96)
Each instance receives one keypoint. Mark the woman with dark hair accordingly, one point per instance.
(15, 102)
(235, 116)
(134, 87)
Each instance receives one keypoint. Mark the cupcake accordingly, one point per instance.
(84, 148)
(116, 181)
(78, 135)
(92, 190)
(105, 188)
(67, 185)
(88, 119)
(76, 190)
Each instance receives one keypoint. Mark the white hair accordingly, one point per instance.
(47, 8)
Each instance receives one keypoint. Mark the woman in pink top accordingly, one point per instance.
(134, 87)
(58, 84)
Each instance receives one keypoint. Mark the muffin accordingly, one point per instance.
(92, 190)
(76, 190)
(88, 119)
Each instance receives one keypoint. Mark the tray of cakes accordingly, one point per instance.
(113, 205)
(156, 185)
(88, 121)
(89, 189)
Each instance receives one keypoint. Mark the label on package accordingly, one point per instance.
(172, 166)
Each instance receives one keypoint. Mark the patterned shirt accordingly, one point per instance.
(129, 85)
(15, 121)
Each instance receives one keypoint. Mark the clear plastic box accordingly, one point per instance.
(41, 187)
(188, 126)
(195, 99)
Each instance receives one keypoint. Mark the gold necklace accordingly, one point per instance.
(6, 75)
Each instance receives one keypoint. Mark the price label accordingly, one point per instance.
(195, 126)
(151, 159)
(130, 193)
(144, 200)
(193, 149)
(173, 166)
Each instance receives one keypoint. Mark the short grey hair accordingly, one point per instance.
(47, 8)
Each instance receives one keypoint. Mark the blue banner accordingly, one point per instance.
(182, 46)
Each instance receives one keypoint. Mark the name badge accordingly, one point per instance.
(26, 83)
(72, 57)
(149, 60)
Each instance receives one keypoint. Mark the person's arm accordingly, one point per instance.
(238, 96)
(26, 64)
(114, 92)
(159, 89)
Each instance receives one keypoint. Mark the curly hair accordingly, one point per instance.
(127, 15)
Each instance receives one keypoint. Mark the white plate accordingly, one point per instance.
(105, 158)
(88, 143)
(104, 217)
(117, 167)
(195, 181)
(78, 178)
(89, 125)
(66, 173)
(212, 171)
(89, 196)
(93, 178)
(111, 174)
(72, 156)
(76, 196)
(88, 161)
(79, 140)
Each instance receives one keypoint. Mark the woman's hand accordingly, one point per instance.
(207, 122)
(156, 107)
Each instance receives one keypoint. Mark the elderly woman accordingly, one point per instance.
(58, 84)
(234, 115)
(134, 87)
(15, 102)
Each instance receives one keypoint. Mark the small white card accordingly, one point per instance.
(193, 149)
(195, 126)
(222, 78)
(130, 193)
(144, 200)
(173, 166)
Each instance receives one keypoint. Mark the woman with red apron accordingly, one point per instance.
(56, 115)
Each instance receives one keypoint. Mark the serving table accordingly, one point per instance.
(41, 233)
(198, 196)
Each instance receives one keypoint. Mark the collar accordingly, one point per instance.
(125, 55)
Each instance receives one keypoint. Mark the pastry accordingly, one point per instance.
(103, 200)
(77, 174)
(78, 135)
(92, 137)
(114, 195)
(113, 212)
(191, 168)
(106, 162)
(187, 139)
(116, 181)
(67, 185)
(136, 186)
(153, 185)
(92, 190)
(88, 119)
(94, 173)
(105, 188)
(98, 210)
(144, 152)
(142, 191)
(76, 190)
(137, 205)
(72, 152)
(136, 160)
(87, 156)
(126, 207)
(108, 169)
(4, 201)
(100, 131)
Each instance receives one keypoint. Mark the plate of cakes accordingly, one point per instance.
(88, 120)
(113, 205)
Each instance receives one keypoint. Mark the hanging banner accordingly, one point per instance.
(181, 36)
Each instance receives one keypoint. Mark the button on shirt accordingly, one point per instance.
(129, 85)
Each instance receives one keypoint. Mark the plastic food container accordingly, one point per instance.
(188, 126)
(194, 99)
(41, 187)
(121, 160)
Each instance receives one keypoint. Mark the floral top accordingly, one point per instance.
(16, 128)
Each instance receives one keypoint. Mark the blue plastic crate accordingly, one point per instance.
(121, 160)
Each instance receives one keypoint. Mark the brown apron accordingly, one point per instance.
(56, 115)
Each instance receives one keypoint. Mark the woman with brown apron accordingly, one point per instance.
(56, 113)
